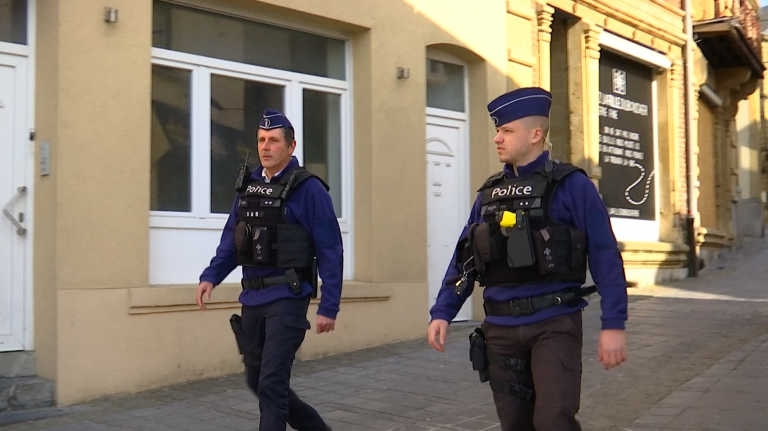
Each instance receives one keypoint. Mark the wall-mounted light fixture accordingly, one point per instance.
(403, 73)
(110, 15)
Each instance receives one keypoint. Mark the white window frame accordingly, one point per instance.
(628, 229)
(200, 217)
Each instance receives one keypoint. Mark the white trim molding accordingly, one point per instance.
(638, 52)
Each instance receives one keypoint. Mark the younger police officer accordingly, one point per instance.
(281, 221)
(527, 241)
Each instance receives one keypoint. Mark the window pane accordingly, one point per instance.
(322, 140)
(445, 85)
(236, 109)
(170, 140)
(204, 33)
(13, 21)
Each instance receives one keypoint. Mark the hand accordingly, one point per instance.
(436, 332)
(204, 288)
(325, 324)
(612, 348)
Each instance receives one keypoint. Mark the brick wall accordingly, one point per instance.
(682, 198)
(560, 114)
(681, 176)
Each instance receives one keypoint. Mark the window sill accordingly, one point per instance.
(181, 297)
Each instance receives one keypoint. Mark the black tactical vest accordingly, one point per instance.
(536, 248)
(263, 237)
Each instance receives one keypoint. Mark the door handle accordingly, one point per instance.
(20, 229)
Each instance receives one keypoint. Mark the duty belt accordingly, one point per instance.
(528, 306)
(290, 278)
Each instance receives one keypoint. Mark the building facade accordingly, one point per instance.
(728, 72)
(131, 117)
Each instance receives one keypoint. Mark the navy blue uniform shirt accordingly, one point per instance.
(576, 203)
(309, 205)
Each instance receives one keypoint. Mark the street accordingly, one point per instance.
(698, 360)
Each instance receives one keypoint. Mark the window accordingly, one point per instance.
(210, 85)
(13, 21)
(198, 32)
(171, 145)
(445, 85)
(322, 133)
(236, 108)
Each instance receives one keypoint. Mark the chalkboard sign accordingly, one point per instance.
(626, 138)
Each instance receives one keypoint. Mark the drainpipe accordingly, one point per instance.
(690, 159)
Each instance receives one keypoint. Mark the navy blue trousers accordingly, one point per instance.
(273, 333)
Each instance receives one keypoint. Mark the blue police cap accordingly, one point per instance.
(520, 103)
(273, 119)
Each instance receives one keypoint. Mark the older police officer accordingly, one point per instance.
(281, 225)
(527, 241)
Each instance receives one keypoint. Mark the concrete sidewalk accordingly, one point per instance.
(698, 357)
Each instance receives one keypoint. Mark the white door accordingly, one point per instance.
(13, 162)
(447, 206)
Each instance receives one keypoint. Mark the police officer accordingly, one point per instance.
(527, 241)
(281, 227)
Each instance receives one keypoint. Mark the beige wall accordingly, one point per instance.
(764, 130)
(100, 329)
(47, 122)
(92, 223)
(707, 171)
(747, 125)
(755, 143)
(743, 153)
(729, 136)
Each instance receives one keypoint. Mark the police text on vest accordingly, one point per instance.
(512, 190)
(259, 189)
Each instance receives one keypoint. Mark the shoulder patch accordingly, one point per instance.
(493, 179)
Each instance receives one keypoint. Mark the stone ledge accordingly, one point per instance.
(637, 254)
(522, 58)
(17, 364)
(520, 9)
(26, 393)
(713, 238)
(181, 297)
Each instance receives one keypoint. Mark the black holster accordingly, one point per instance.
(293, 281)
(251, 355)
(478, 354)
(314, 278)
(237, 327)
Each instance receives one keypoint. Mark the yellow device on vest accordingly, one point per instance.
(508, 219)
